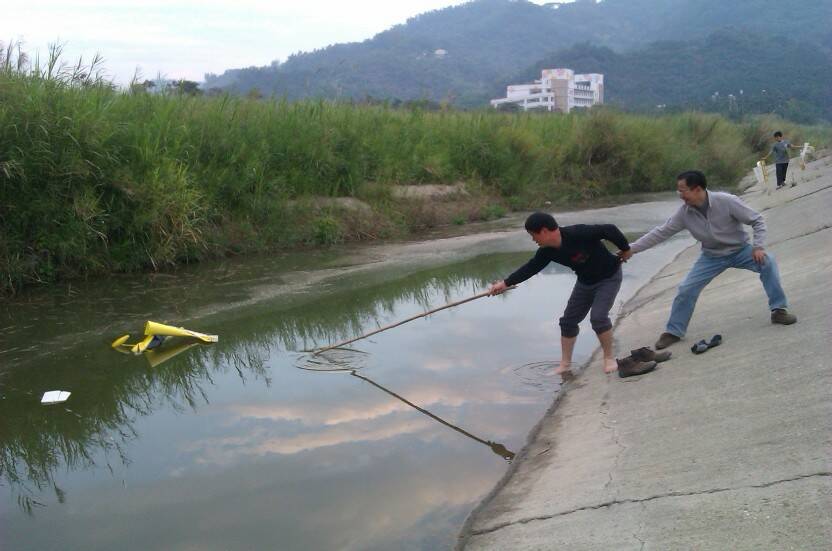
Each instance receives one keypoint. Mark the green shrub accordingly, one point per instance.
(492, 212)
(326, 230)
(96, 180)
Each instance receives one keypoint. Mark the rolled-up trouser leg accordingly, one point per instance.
(598, 297)
(580, 301)
(605, 293)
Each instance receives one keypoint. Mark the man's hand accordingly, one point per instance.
(497, 288)
(759, 255)
(624, 256)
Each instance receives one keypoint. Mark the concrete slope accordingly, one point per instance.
(730, 449)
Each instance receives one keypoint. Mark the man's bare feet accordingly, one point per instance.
(563, 367)
(610, 365)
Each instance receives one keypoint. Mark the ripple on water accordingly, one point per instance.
(541, 375)
(342, 359)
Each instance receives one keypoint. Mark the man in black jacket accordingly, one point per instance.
(599, 277)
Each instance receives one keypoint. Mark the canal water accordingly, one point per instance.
(252, 443)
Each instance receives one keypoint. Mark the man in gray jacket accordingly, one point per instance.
(715, 219)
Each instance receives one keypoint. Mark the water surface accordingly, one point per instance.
(235, 446)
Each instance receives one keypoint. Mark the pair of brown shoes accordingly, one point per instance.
(630, 367)
(640, 361)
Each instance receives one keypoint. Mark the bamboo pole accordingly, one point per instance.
(385, 328)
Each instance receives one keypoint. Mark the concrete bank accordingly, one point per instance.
(731, 449)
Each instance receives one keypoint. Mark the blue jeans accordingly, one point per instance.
(708, 267)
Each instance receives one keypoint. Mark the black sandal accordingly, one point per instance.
(699, 347)
(703, 346)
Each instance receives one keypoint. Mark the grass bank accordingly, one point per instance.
(95, 180)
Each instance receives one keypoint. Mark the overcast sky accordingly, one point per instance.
(188, 38)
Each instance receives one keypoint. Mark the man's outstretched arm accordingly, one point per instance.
(671, 227)
(527, 270)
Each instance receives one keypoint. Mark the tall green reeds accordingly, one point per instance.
(96, 180)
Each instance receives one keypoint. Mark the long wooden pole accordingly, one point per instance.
(429, 312)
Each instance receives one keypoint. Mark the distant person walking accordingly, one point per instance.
(780, 150)
(716, 220)
(599, 278)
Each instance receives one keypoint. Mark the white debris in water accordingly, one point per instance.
(55, 397)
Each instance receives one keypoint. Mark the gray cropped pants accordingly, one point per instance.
(597, 298)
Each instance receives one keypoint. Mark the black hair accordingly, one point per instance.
(778, 134)
(693, 178)
(539, 220)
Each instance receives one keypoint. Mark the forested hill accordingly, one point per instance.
(728, 71)
(489, 40)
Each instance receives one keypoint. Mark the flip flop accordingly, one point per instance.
(703, 346)
(699, 347)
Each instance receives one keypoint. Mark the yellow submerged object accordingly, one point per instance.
(154, 328)
(120, 341)
(156, 334)
(148, 343)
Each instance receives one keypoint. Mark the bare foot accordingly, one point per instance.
(563, 367)
(610, 365)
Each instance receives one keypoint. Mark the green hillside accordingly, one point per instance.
(729, 72)
(488, 41)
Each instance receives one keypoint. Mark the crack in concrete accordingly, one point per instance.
(825, 188)
(605, 409)
(609, 481)
(817, 230)
(641, 526)
(645, 500)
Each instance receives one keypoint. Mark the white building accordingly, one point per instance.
(557, 90)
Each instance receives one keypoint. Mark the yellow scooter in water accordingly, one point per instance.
(155, 334)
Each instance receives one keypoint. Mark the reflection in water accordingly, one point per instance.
(36, 441)
(104, 408)
(157, 356)
(288, 464)
(497, 448)
(355, 310)
(344, 363)
(297, 457)
(336, 359)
